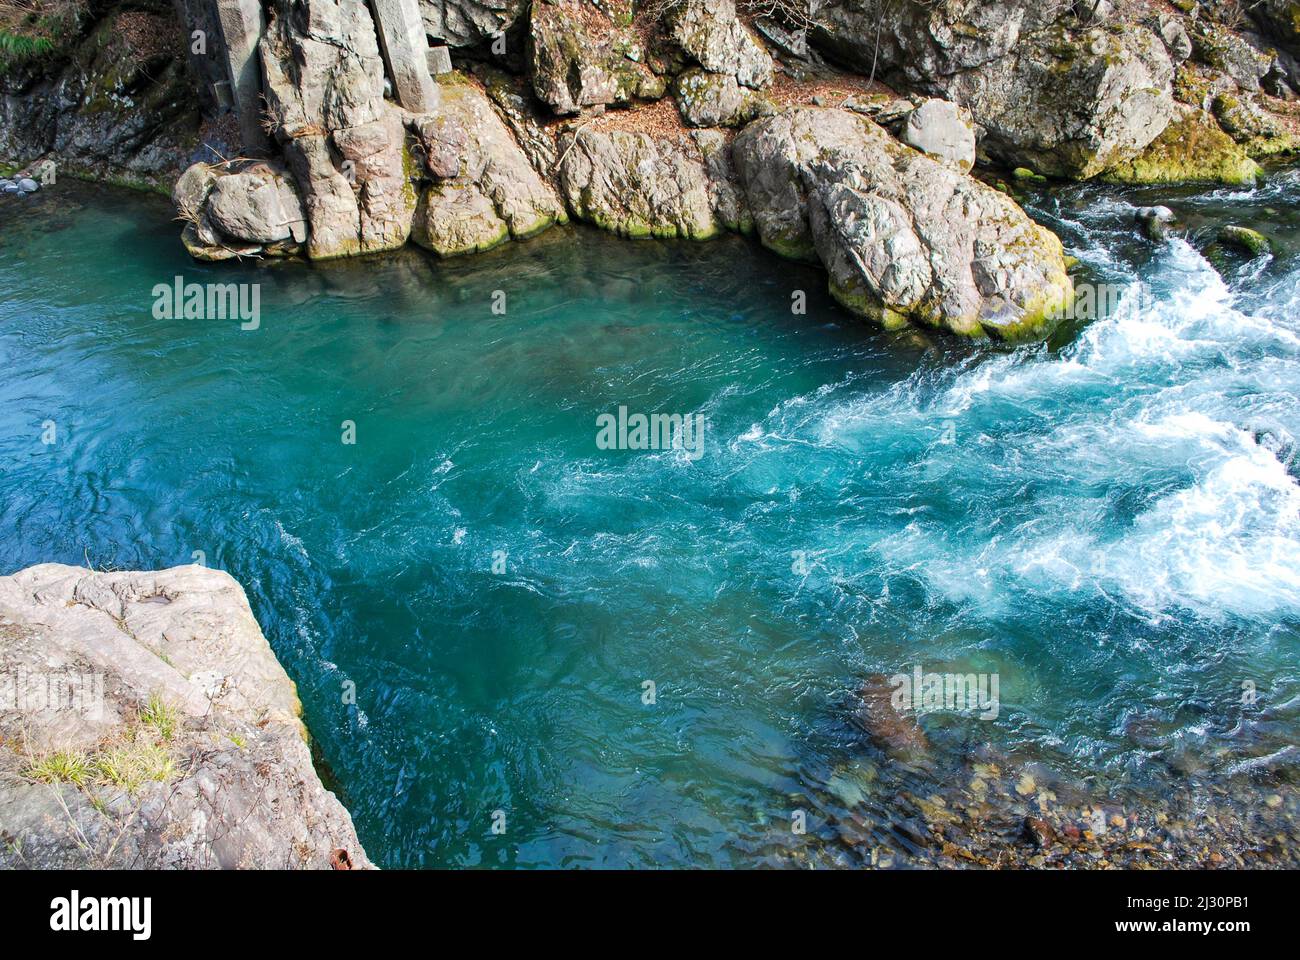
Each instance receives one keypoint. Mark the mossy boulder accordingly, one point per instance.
(1192, 149)
(1260, 133)
(716, 100)
(905, 239)
(583, 56)
(1247, 241)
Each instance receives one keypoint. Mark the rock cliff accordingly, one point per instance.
(145, 723)
(330, 128)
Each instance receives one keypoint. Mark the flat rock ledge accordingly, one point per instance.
(146, 723)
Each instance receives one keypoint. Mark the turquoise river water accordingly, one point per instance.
(1110, 522)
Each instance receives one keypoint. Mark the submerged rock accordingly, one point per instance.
(1248, 241)
(1039, 832)
(897, 733)
(1155, 221)
(154, 729)
(904, 238)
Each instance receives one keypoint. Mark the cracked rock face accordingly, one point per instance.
(325, 101)
(1049, 91)
(710, 33)
(581, 57)
(174, 740)
(904, 238)
(637, 185)
(485, 191)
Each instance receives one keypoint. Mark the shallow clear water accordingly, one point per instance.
(1110, 522)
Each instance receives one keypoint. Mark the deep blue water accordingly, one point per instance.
(1109, 522)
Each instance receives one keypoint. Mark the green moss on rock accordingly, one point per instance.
(1192, 149)
(1248, 241)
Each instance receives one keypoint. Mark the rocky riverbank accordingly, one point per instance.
(146, 723)
(842, 133)
(921, 792)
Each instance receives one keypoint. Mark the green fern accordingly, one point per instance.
(15, 46)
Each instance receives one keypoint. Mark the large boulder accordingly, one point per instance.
(239, 208)
(148, 724)
(710, 34)
(484, 189)
(585, 56)
(1071, 104)
(716, 100)
(258, 206)
(1191, 149)
(903, 237)
(638, 185)
(1049, 92)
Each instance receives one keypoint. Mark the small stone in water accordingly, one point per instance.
(1025, 785)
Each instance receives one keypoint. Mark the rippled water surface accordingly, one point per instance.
(1110, 522)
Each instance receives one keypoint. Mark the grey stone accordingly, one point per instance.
(401, 34)
(486, 190)
(904, 238)
(28, 185)
(1231, 55)
(1174, 34)
(578, 56)
(343, 142)
(712, 35)
(242, 25)
(716, 100)
(439, 60)
(256, 207)
(466, 23)
(638, 185)
(1065, 101)
(944, 131)
(1155, 221)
